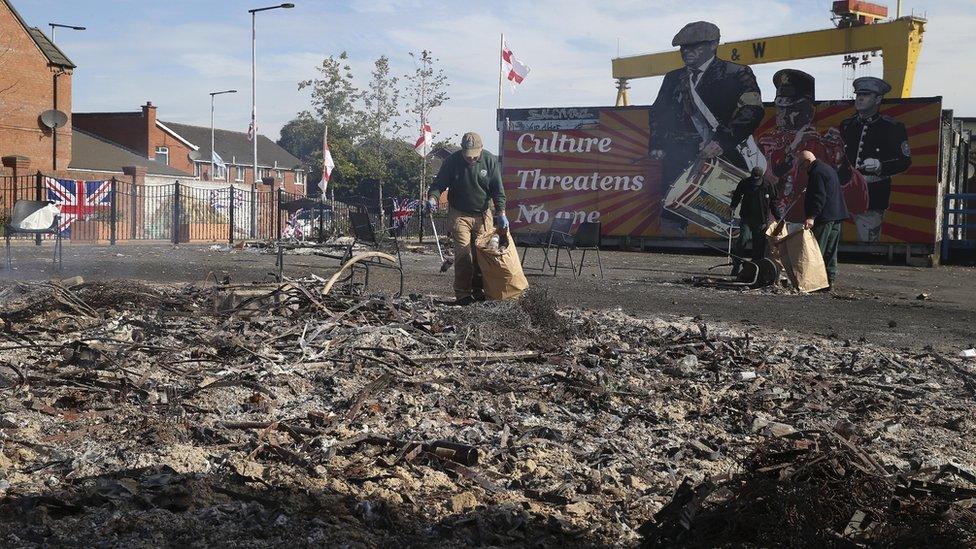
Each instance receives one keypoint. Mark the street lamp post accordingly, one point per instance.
(54, 131)
(254, 112)
(55, 26)
(212, 150)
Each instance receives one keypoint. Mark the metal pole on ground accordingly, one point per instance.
(277, 216)
(213, 152)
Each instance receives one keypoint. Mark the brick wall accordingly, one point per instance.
(27, 90)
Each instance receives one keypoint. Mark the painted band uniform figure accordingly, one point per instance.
(877, 146)
(795, 131)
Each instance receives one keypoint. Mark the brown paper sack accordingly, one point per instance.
(501, 269)
(776, 232)
(804, 263)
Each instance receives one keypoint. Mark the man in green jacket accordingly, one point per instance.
(473, 180)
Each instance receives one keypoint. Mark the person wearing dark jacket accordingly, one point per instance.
(472, 177)
(824, 208)
(758, 199)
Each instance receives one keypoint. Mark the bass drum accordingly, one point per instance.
(855, 193)
(703, 194)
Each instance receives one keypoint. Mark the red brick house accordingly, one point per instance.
(187, 147)
(35, 76)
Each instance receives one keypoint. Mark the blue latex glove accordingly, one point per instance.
(501, 222)
(431, 204)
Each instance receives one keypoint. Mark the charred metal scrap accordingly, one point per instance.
(275, 414)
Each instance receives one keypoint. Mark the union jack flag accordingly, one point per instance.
(220, 198)
(77, 199)
(293, 229)
(403, 210)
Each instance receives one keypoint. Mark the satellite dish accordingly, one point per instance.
(53, 119)
(194, 155)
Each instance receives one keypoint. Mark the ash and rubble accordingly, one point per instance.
(256, 415)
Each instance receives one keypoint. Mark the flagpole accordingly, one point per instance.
(325, 141)
(254, 120)
(423, 169)
(501, 68)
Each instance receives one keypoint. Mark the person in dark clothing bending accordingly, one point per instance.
(824, 208)
(758, 199)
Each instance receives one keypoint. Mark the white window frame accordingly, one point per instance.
(280, 174)
(196, 169)
(162, 151)
(239, 173)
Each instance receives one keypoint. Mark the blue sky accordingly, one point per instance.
(173, 53)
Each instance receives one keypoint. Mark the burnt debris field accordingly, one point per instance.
(139, 414)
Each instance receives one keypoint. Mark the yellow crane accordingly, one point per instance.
(899, 40)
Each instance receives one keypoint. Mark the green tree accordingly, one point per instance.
(380, 122)
(302, 137)
(335, 103)
(334, 96)
(364, 127)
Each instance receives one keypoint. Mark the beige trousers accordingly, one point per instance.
(466, 230)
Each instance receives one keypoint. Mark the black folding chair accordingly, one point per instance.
(587, 237)
(365, 233)
(24, 209)
(557, 237)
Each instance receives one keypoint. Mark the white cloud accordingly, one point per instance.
(176, 55)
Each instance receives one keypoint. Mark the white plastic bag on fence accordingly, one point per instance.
(41, 219)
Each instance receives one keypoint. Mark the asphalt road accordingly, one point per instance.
(876, 302)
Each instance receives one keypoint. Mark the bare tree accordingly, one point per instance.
(427, 90)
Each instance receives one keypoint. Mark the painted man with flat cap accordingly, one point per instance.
(707, 109)
(794, 132)
(877, 147)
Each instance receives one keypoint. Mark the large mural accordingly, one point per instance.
(668, 170)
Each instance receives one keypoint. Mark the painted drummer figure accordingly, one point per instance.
(709, 108)
(795, 132)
